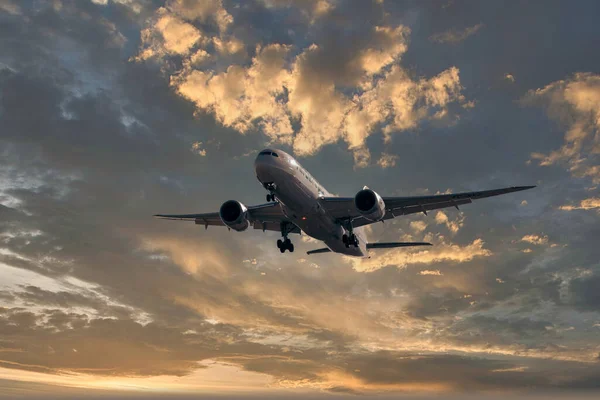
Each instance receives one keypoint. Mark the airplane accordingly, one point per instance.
(297, 203)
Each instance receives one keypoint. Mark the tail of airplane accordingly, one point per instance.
(381, 245)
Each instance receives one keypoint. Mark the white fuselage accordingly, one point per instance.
(299, 196)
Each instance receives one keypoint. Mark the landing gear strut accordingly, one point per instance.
(349, 239)
(285, 244)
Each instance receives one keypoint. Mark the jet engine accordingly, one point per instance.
(235, 215)
(369, 204)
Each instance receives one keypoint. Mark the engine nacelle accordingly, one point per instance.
(369, 204)
(235, 215)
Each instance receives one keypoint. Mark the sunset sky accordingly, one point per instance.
(114, 110)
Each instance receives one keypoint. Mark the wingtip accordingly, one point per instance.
(525, 187)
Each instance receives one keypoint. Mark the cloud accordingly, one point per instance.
(168, 35)
(74, 342)
(535, 239)
(311, 9)
(583, 291)
(435, 272)
(198, 149)
(10, 7)
(574, 103)
(454, 36)
(440, 252)
(202, 11)
(418, 226)
(585, 204)
(387, 160)
(453, 226)
(238, 97)
(298, 96)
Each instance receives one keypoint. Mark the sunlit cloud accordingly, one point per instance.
(535, 239)
(282, 84)
(441, 218)
(435, 272)
(387, 160)
(575, 103)
(440, 252)
(585, 204)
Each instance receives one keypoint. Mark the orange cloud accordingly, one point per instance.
(402, 258)
(277, 87)
(535, 239)
(575, 103)
(586, 204)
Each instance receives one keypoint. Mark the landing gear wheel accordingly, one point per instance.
(270, 197)
(345, 240)
(284, 245)
(351, 240)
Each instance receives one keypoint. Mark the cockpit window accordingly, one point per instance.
(275, 154)
(264, 153)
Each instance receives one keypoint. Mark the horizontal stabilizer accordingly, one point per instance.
(383, 245)
(317, 251)
(389, 245)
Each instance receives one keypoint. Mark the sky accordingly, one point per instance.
(114, 110)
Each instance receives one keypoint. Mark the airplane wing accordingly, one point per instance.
(267, 217)
(343, 208)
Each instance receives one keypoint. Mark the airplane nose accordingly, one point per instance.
(261, 169)
(268, 164)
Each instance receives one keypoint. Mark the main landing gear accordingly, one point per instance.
(349, 239)
(285, 244)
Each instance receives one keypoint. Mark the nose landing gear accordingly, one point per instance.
(271, 188)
